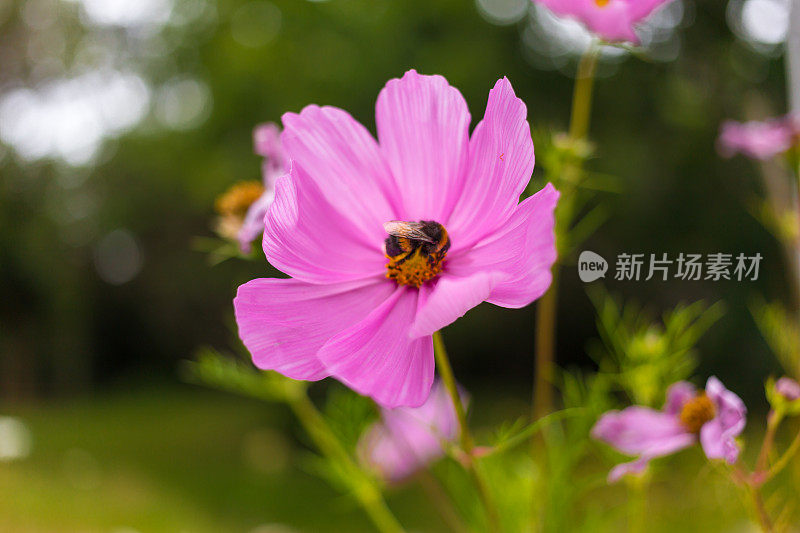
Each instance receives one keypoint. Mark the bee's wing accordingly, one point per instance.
(409, 230)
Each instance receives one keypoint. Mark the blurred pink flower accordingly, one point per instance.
(611, 20)
(267, 143)
(410, 438)
(716, 416)
(339, 315)
(758, 140)
(788, 388)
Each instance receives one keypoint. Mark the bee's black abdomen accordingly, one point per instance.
(393, 248)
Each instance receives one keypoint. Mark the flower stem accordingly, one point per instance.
(773, 421)
(637, 505)
(582, 94)
(761, 511)
(753, 490)
(547, 307)
(781, 463)
(363, 488)
(442, 501)
(467, 442)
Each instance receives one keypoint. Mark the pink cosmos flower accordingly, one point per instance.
(387, 242)
(611, 20)
(758, 140)
(409, 438)
(715, 416)
(267, 143)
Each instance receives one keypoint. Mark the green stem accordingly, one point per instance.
(546, 311)
(531, 430)
(781, 463)
(773, 421)
(442, 501)
(740, 477)
(638, 505)
(582, 94)
(364, 490)
(547, 307)
(467, 442)
(761, 511)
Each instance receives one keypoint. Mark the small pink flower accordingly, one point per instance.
(387, 242)
(267, 143)
(410, 438)
(611, 20)
(758, 140)
(715, 416)
(788, 388)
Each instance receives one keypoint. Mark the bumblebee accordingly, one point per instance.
(416, 251)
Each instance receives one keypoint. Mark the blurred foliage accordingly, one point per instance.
(562, 502)
(643, 357)
(213, 369)
(781, 331)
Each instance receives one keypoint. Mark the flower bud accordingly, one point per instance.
(784, 395)
(788, 388)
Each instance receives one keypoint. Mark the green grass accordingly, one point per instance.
(176, 460)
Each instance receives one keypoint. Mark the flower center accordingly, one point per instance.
(416, 251)
(601, 3)
(697, 412)
(238, 198)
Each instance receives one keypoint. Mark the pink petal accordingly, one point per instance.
(641, 9)
(718, 436)
(623, 469)
(253, 224)
(612, 22)
(409, 438)
(267, 143)
(501, 161)
(642, 431)
(677, 395)
(757, 140)
(389, 456)
(341, 157)
(788, 388)
(450, 299)
(523, 251)
(284, 322)
(377, 357)
(436, 416)
(308, 239)
(423, 128)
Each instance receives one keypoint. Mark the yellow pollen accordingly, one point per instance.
(413, 269)
(697, 412)
(601, 3)
(238, 198)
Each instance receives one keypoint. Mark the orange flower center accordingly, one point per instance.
(415, 250)
(238, 198)
(602, 3)
(697, 412)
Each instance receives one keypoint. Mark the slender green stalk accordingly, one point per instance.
(582, 95)
(467, 442)
(637, 509)
(761, 511)
(364, 490)
(547, 307)
(442, 501)
(773, 421)
(787, 456)
(532, 429)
